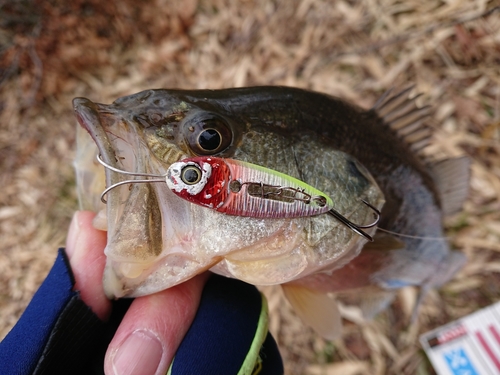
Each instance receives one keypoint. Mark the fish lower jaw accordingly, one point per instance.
(132, 270)
(100, 221)
(124, 278)
(120, 278)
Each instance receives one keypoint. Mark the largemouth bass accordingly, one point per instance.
(157, 240)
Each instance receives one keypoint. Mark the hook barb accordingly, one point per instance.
(354, 227)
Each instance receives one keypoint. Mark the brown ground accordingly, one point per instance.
(52, 52)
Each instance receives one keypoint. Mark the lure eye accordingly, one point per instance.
(207, 134)
(190, 175)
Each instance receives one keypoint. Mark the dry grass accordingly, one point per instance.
(52, 51)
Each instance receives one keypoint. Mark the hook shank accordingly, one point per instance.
(156, 178)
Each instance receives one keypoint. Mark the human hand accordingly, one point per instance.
(153, 327)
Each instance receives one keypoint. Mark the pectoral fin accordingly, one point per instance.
(318, 310)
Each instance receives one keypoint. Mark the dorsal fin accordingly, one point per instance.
(452, 181)
(401, 113)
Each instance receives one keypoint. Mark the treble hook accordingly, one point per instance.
(354, 227)
(109, 188)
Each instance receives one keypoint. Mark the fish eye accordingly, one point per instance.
(190, 175)
(208, 135)
(210, 139)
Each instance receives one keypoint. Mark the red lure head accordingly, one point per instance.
(202, 180)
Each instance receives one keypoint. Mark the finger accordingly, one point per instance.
(85, 249)
(152, 330)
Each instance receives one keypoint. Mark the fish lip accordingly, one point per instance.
(88, 116)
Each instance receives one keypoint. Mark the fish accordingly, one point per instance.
(157, 239)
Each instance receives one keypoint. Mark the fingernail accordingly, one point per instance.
(140, 354)
(74, 230)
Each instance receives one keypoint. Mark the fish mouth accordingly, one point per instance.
(138, 217)
(89, 116)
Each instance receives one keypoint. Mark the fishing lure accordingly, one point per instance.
(239, 188)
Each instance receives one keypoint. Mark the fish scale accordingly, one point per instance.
(268, 149)
(327, 174)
